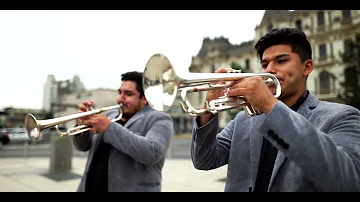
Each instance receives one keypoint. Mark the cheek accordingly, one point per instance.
(289, 74)
(132, 102)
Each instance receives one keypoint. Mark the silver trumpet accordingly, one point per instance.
(34, 127)
(161, 84)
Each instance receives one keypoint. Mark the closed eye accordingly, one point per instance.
(281, 61)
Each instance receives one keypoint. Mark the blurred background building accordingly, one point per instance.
(54, 90)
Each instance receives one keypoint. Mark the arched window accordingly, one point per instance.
(324, 82)
(320, 18)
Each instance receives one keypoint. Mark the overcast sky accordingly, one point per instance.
(100, 45)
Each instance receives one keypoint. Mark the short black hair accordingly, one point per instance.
(290, 36)
(137, 78)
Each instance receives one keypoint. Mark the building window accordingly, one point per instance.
(322, 52)
(213, 68)
(298, 24)
(247, 64)
(176, 124)
(184, 126)
(320, 18)
(346, 15)
(312, 23)
(348, 46)
(348, 51)
(324, 82)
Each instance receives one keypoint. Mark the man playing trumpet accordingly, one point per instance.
(128, 155)
(297, 144)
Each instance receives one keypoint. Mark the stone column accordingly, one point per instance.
(61, 153)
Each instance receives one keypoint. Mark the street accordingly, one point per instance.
(180, 148)
(25, 167)
(31, 150)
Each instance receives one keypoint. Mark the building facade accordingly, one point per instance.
(52, 97)
(330, 32)
(54, 89)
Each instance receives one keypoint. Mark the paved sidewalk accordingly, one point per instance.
(29, 175)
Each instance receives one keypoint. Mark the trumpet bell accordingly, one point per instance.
(160, 83)
(32, 127)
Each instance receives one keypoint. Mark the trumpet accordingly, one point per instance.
(161, 84)
(34, 127)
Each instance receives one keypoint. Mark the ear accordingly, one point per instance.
(309, 66)
(144, 100)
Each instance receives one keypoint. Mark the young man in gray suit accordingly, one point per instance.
(128, 155)
(298, 144)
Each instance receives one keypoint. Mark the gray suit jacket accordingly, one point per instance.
(138, 154)
(319, 147)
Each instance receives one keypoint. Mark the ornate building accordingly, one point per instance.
(330, 33)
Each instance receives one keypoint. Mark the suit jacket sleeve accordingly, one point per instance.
(329, 155)
(210, 149)
(147, 146)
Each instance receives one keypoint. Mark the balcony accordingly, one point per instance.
(328, 96)
(324, 61)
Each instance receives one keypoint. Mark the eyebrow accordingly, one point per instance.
(277, 57)
(125, 91)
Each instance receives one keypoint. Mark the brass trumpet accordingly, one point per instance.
(34, 127)
(161, 84)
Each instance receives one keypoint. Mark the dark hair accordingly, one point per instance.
(137, 78)
(290, 36)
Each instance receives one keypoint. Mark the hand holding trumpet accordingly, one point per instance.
(98, 122)
(253, 90)
(218, 92)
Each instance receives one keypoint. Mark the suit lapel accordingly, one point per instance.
(137, 116)
(305, 110)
